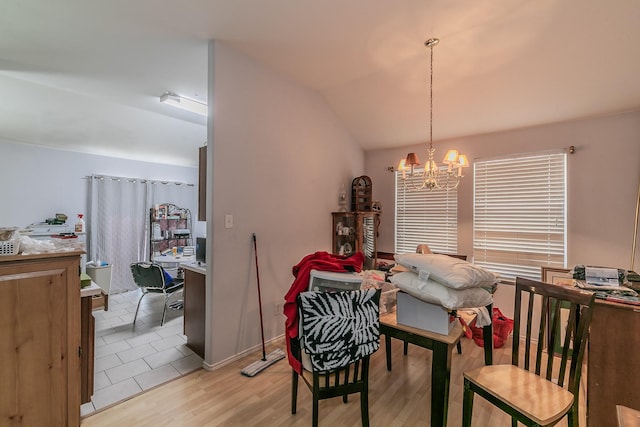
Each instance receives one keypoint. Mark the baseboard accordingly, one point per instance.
(220, 364)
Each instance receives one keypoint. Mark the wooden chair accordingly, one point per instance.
(543, 394)
(151, 278)
(338, 348)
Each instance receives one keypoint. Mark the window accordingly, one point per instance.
(519, 219)
(424, 216)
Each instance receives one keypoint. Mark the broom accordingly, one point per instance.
(267, 359)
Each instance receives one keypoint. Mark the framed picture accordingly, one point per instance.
(560, 277)
(556, 276)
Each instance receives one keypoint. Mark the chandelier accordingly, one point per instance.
(432, 176)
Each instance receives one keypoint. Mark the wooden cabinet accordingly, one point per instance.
(612, 373)
(356, 231)
(194, 297)
(40, 346)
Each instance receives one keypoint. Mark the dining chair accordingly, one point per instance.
(538, 392)
(338, 333)
(152, 278)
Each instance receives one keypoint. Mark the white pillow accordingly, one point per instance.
(452, 272)
(435, 293)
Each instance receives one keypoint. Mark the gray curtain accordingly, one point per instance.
(118, 223)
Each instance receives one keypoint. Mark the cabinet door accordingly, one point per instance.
(612, 377)
(194, 296)
(345, 229)
(39, 348)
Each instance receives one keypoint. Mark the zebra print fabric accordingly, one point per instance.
(339, 328)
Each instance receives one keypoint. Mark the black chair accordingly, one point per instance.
(543, 394)
(336, 347)
(152, 278)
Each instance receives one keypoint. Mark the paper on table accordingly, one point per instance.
(598, 276)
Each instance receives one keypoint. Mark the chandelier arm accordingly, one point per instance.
(409, 181)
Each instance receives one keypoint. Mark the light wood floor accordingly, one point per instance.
(224, 397)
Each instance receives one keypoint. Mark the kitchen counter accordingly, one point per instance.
(196, 267)
(171, 261)
(194, 296)
(91, 290)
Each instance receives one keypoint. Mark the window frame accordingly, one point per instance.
(515, 244)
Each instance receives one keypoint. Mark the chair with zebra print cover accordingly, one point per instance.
(338, 333)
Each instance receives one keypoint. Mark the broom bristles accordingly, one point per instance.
(262, 364)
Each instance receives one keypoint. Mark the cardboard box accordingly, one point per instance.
(413, 312)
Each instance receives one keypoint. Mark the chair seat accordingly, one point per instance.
(537, 398)
(307, 376)
(175, 285)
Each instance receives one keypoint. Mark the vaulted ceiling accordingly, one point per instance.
(86, 75)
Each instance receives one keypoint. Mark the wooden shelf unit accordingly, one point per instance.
(356, 231)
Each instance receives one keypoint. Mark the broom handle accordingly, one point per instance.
(255, 251)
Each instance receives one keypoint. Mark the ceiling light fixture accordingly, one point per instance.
(188, 104)
(432, 177)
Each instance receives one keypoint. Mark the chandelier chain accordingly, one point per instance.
(431, 100)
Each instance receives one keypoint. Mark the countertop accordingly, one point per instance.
(170, 259)
(91, 290)
(195, 267)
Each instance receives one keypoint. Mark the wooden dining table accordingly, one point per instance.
(442, 347)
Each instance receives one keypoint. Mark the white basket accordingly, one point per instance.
(9, 247)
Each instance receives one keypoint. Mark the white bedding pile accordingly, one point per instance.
(441, 279)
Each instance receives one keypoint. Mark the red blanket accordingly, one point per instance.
(323, 261)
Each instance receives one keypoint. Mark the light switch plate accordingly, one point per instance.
(228, 221)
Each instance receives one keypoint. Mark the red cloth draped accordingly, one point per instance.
(323, 261)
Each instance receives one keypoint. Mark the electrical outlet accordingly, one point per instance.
(278, 308)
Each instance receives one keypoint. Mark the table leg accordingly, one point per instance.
(440, 380)
(387, 348)
(487, 336)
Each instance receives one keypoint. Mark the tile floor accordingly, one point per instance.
(129, 360)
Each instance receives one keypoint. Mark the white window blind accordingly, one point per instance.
(426, 217)
(368, 232)
(519, 219)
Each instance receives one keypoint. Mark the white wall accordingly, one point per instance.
(37, 182)
(279, 156)
(603, 177)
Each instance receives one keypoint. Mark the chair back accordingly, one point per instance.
(565, 317)
(339, 328)
(148, 275)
